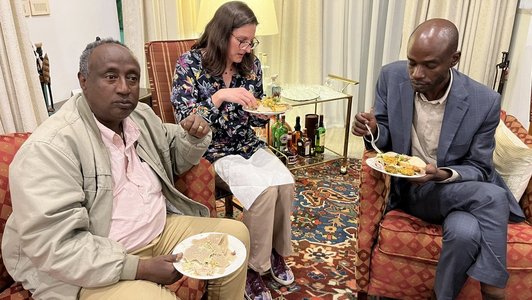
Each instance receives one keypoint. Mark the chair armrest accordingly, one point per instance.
(374, 189)
(198, 184)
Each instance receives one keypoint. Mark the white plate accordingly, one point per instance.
(375, 164)
(234, 244)
(299, 93)
(264, 110)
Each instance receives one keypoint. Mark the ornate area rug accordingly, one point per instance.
(324, 234)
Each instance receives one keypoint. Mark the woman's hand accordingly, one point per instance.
(196, 126)
(159, 269)
(236, 95)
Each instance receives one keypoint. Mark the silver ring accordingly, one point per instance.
(200, 127)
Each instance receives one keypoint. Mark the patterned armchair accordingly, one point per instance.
(397, 253)
(161, 58)
(197, 184)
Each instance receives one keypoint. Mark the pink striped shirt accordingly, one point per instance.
(139, 207)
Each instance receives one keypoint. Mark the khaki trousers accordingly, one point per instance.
(268, 221)
(178, 228)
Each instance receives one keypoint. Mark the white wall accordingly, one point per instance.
(65, 32)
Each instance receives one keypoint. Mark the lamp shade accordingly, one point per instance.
(264, 10)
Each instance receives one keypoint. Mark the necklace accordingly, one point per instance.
(227, 71)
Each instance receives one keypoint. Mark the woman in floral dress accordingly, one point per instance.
(218, 79)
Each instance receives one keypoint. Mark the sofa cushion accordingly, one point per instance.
(404, 235)
(15, 292)
(9, 144)
(512, 159)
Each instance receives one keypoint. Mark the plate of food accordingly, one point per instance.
(268, 107)
(398, 165)
(210, 255)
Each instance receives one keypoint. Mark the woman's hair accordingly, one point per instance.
(218, 31)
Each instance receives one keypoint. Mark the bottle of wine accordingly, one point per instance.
(297, 128)
(280, 135)
(320, 137)
(274, 142)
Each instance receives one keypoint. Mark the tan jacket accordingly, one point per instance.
(55, 240)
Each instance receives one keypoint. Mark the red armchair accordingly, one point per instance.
(197, 184)
(397, 253)
(161, 58)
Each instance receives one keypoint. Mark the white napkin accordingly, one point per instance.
(248, 178)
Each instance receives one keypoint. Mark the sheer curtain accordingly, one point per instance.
(22, 105)
(485, 29)
(360, 37)
(351, 39)
(517, 97)
(150, 20)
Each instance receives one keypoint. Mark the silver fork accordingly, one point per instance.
(373, 140)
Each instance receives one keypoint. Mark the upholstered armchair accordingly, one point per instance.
(197, 184)
(397, 253)
(161, 58)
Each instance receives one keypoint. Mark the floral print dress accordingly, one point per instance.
(231, 125)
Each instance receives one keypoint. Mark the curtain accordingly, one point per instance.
(297, 58)
(151, 20)
(352, 39)
(22, 105)
(485, 29)
(361, 37)
(516, 98)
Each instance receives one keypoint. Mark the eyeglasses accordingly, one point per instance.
(244, 44)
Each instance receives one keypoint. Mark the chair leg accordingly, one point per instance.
(362, 296)
(228, 201)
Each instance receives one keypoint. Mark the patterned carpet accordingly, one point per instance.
(324, 234)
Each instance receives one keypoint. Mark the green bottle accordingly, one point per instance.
(281, 135)
(273, 130)
(319, 141)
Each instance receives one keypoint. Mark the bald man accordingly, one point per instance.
(425, 108)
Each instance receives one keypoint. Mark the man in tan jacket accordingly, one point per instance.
(95, 213)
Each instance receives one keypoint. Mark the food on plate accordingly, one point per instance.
(269, 104)
(208, 256)
(395, 163)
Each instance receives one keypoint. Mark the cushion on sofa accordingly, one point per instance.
(9, 144)
(512, 159)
